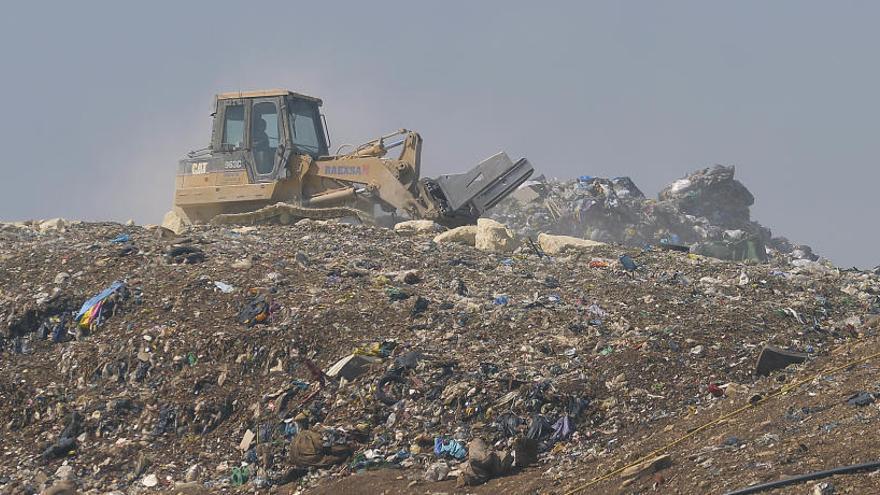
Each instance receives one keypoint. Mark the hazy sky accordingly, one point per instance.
(102, 98)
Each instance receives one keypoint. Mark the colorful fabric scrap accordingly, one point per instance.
(89, 315)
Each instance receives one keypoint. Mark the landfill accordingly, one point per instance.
(706, 212)
(562, 348)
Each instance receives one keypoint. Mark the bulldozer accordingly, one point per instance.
(269, 162)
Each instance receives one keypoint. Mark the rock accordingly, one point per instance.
(242, 264)
(64, 472)
(558, 244)
(173, 222)
(418, 227)
(773, 358)
(193, 473)
(130, 223)
(150, 480)
(53, 224)
(437, 471)
(493, 236)
(65, 487)
(466, 234)
(61, 278)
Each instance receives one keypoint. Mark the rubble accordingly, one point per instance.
(174, 223)
(466, 234)
(418, 226)
(345, 349)
(560, 244)
(493, 237)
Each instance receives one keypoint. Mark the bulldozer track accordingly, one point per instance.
(286, 213)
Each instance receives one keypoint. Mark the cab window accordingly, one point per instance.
(304, 127)
(233, 127)
(264, 135)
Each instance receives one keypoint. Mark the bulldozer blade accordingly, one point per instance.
(475, 191)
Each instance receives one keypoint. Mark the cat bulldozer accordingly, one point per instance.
(269, 163)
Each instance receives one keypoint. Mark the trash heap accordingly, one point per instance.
(312, 357)
(706, 212)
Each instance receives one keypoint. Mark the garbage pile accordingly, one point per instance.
(260, 358)
(706, 212)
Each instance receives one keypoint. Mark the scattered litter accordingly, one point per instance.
(773, 358)
(224, 287)
(371, 349)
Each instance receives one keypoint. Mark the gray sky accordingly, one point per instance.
(102, 98)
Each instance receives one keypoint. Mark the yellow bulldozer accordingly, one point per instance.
(269, 161)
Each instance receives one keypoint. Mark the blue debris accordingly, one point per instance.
(59, 332)
(501, 300)
(451, 448)
(121, 239)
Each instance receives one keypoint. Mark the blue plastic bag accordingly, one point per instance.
(451, 448)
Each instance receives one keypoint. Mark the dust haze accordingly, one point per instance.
(103, 99)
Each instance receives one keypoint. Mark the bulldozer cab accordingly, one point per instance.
(257, 132)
